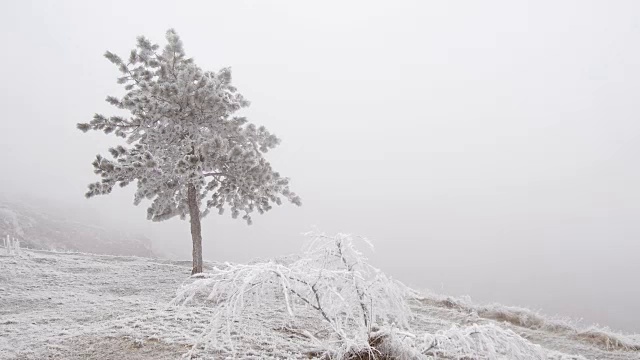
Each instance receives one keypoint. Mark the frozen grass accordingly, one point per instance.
(80, 306)
(522, 317)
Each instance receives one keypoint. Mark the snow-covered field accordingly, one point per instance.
(82, 306)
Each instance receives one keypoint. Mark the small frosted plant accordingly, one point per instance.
(331, 278)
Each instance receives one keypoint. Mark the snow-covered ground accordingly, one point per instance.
(82, 306)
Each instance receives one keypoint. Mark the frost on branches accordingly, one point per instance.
(331, 279)
(331, 302)
(185, 146)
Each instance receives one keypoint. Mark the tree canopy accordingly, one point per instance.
(182, 132)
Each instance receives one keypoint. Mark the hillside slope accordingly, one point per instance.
(80, 306)
(39, 228)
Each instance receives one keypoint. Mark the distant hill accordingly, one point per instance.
(48, 229)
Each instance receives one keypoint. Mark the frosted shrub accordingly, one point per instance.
(331, 278)
(11, 245)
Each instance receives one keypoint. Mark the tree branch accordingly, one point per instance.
(217, 174)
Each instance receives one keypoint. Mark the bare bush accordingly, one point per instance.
(11, 245)
(331, 277)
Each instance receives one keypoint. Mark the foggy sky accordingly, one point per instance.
(486, 148)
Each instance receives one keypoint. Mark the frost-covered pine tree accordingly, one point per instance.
(185, 146)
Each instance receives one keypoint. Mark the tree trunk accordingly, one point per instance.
(196, 230)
